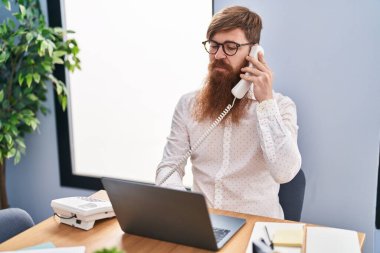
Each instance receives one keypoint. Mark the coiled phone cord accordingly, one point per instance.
(198, 143)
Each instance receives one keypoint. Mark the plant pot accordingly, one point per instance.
(3, 189)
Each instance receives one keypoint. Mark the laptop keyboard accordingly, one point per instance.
(220, 233)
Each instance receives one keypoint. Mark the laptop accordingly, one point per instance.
(170, 215)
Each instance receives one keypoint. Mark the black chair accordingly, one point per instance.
(291, 197)
(13, 221)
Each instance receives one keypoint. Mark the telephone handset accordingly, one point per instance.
(242, 87)
(239, 91)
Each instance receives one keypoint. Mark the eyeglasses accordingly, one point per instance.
(230, 48)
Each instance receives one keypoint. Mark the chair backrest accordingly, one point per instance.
(291, 197)
(13, 221)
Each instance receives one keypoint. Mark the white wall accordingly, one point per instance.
(325, 57)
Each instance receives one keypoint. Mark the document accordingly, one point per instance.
(331, 240)
(259, 233)
(80, 249)
(45, 245)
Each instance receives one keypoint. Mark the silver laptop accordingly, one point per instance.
(169, 215)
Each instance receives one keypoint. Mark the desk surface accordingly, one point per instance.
(107, 233)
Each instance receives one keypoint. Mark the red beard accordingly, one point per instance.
(216, 93)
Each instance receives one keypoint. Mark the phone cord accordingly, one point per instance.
(199, 142)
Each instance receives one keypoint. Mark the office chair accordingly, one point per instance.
(13, 221)
(291, 197)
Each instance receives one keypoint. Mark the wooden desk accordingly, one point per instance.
(107, 233)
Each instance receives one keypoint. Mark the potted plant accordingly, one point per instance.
(109, 250)
(29, 51)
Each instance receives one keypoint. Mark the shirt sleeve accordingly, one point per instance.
(277, 129)
(176, 147)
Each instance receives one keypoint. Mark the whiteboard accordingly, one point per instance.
(137, 59)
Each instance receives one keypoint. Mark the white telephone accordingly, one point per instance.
(81, 212)
(239, 91)
(242, 87)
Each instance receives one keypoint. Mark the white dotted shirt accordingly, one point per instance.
(238, 167)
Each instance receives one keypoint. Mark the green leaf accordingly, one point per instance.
(27, 121)
(6, 127)
(1, 137)
(59, 53)
(29, 79)
(36, 77)
(59, 89)
(29, 37)
(8, 138)
(19, 17)
(50, 48)
(44, 45)
(11, 23)
(14, 131)
(39, 37)
(21, 143)
(57, 29)
(22, 9)
(57, 60)
(11, 153)
(3, 57)
(17, 157)
(34, 123)
(28, 112)
(32, 97)
(64, 103)
(1, 95)
(7, 4)
(20, 78)
(75, 50)
(53, 79)
(46, 66)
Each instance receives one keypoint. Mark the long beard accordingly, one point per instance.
(216, 94)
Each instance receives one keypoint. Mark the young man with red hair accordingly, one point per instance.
(241, 164)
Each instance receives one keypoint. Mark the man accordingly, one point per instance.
(240, 165)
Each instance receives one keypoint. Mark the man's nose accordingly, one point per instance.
(220, 53)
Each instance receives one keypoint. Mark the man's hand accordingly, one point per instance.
(261, 76)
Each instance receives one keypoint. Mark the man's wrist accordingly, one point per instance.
(265, 99)
(266, 108)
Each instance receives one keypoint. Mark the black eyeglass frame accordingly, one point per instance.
(222, 44)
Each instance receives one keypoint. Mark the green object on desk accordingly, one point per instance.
(112, 250)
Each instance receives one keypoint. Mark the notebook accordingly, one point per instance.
(331, 240)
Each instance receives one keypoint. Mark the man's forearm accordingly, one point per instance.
(278, 140)
(173, 182)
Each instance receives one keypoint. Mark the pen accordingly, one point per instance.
(270, 241)
(260, 246)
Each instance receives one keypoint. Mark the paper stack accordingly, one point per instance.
(331, 240)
